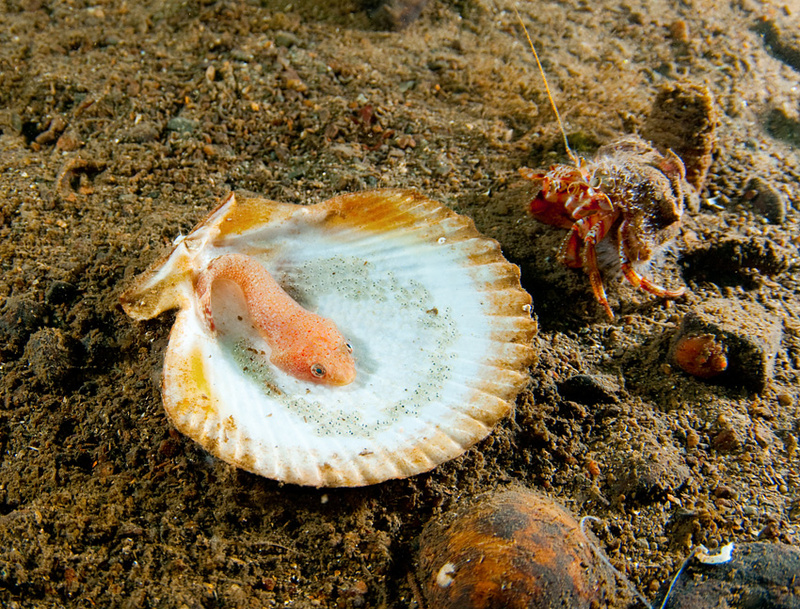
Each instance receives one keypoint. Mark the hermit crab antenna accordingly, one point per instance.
(547, 88)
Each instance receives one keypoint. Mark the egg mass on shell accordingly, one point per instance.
(439, 326)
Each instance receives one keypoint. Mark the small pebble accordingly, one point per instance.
(179, 124)
(405, 141)
(68, 142)
(142, 133)
(790, 443)
(728, 437)
(286, 39)
(724, 492)
(766, 199)
(679, 31)
(589, 389)
(53, 356)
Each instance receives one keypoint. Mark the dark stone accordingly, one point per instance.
(53, 356)
(60, 292)
(99, 348)
(646, 477)
(286, 39)
(145, 132)
(763, 196)
(169, 448)
(20, 318)
(181, 125)
(589, 390)
(758, 576)
(728, 435)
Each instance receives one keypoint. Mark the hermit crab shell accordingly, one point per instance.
(440, 330)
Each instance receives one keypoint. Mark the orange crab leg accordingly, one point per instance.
(570, 254)
(588, 232)
(637, 280)
(590, 266)
(590, 210)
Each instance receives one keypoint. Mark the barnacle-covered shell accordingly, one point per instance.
(440, 330)
(514, 549)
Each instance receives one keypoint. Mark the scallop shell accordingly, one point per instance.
(440, 328)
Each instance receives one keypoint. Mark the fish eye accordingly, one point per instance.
(349, 347)
(318, 370)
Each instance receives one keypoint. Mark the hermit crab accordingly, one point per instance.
(629, 193)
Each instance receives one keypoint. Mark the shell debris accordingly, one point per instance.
(439, 327)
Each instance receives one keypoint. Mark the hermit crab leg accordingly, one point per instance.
(570, 254)
(590, 266)
(637, 280)
(590, 211)
(593, 228)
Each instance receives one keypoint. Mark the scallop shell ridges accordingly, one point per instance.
(439, 323)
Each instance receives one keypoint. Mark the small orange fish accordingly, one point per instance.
(303, 344)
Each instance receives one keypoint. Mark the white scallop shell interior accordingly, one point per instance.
(439, 326)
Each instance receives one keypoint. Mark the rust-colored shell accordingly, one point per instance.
(515, 549)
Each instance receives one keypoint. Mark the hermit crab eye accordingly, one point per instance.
(349, 347)
(318, 370)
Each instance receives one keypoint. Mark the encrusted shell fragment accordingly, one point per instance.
(439, 325)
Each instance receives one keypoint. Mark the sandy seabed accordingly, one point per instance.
(124, 123)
